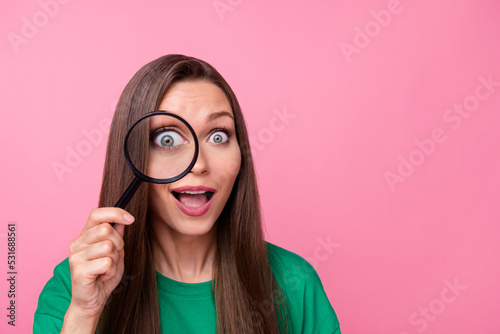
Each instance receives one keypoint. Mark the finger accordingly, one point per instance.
(92, 269)
(109, 274)
(108, 215)
(100, 233)
(120, 229)
(97, 250)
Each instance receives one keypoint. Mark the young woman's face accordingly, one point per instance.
(192, 205)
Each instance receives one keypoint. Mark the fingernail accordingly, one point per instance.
(128, 218)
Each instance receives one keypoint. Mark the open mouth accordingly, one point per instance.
(193, 199)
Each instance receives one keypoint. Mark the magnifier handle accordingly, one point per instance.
(127, 194)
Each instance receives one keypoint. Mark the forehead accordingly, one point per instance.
(194, 100)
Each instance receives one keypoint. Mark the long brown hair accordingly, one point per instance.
(247, 296)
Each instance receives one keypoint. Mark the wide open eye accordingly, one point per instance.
(168, 139)
(218, 137)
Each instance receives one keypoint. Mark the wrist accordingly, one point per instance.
(79, 320)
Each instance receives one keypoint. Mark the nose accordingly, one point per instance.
(201, 165)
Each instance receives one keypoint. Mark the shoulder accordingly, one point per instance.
(294, 274)
(62, 270)
(305, 295)
(277, 251)
(288, 265)
(55, 298)
(61, 277)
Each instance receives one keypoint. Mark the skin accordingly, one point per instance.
(184, 245)
(96, 264)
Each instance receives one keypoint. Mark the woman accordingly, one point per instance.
(179, 260)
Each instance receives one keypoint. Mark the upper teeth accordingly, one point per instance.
(192, 192)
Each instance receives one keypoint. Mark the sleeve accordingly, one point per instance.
(53, 301)
(309, 309)
(319, 316)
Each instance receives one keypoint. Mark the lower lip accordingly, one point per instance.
(190, 211)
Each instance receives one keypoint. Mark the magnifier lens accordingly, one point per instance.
(169, 144)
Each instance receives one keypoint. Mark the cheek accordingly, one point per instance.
(228, 166)
(152, 190)
(156, 195)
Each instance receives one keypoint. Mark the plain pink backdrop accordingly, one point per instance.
(341, 100)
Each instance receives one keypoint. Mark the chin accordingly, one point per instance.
(187, 225)
(193, 230)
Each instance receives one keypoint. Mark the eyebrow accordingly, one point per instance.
(218, 114)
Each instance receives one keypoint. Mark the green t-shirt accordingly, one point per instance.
(189, 307)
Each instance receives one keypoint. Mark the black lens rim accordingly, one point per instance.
(143, 176)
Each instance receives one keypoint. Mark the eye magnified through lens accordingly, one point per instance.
(172, 149)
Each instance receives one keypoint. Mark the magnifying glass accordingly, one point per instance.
(172, 149)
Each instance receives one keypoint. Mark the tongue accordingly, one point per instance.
(194, 201)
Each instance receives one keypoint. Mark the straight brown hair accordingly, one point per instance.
(246, 294)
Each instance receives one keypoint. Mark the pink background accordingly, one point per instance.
(358, 94)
